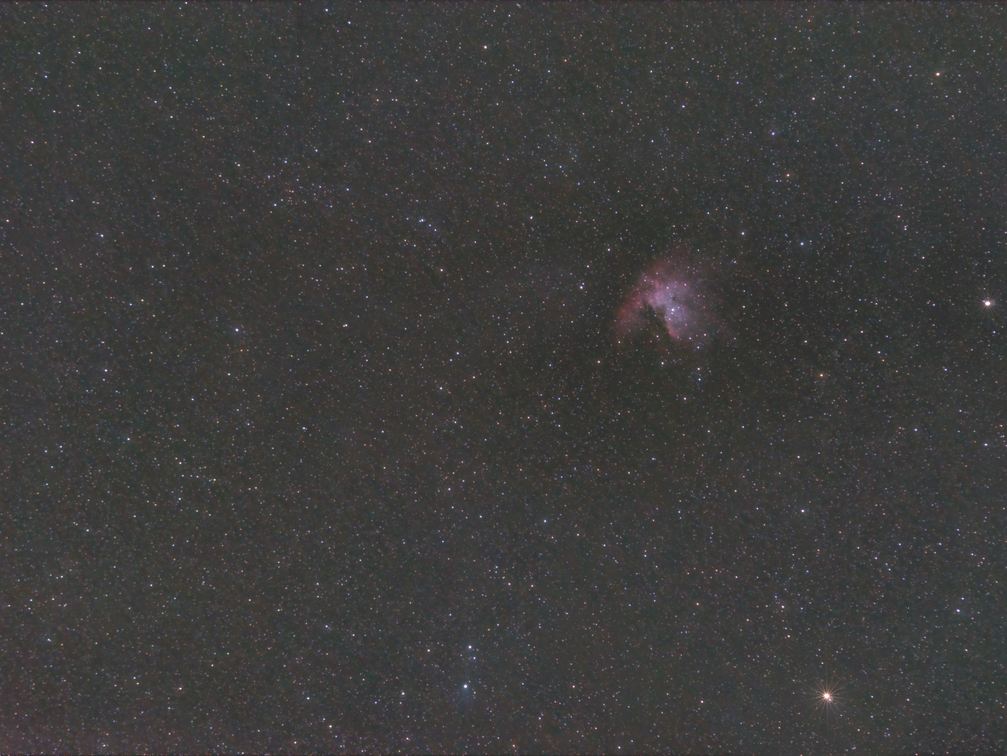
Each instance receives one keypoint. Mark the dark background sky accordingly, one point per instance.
(316, 435)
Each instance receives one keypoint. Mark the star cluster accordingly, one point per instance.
(675, 298)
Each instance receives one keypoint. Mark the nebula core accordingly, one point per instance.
(673, 295)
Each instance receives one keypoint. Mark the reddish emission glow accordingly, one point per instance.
(672, 295)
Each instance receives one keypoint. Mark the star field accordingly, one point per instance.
(321, 433)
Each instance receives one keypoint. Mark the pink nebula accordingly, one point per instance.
(672, 294)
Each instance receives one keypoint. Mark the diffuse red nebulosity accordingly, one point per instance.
(672, 292)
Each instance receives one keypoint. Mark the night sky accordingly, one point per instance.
(555, 378)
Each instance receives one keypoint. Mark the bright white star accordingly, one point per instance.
(826, 700)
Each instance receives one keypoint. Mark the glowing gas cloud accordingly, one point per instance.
(672, 294)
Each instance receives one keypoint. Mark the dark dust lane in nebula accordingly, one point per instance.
(673, 294)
